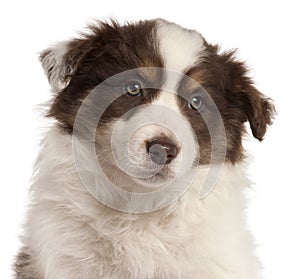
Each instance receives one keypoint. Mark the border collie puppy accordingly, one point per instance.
(143, 175)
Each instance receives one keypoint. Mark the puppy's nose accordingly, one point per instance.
(161, 150)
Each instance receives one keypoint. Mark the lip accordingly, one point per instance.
(162, 175)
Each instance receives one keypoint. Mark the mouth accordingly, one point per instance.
(160, 176)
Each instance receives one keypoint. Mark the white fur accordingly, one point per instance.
(54, 65)
(162, 117)
(71, 235)
(167, 99)
(181, 48)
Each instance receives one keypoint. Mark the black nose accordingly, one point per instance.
(162, 150)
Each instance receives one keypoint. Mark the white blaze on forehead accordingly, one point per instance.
(180, 48)
(167, 99)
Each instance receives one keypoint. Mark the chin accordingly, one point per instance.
(142, 174)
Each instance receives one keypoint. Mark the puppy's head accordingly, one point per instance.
(172, 101)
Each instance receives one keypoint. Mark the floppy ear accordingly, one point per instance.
(257, 109)
(60, 62)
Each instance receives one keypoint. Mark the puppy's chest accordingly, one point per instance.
(150, 244)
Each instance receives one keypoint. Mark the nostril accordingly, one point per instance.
(161, 150)
(171, 156)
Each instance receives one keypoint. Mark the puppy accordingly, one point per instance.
(143, 175)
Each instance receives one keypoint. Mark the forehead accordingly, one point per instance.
(180, 48)
(155, 43)
(161, 44)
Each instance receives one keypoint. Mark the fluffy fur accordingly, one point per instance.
(70, 234)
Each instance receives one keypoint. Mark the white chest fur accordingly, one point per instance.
(71, 235)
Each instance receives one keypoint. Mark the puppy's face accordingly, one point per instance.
(170, 101)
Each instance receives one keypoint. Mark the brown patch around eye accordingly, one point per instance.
(110, 49)
(210, 77)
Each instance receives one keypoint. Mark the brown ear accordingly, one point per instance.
(257, 109)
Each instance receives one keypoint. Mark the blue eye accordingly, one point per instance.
(196, 102)
(134, 88)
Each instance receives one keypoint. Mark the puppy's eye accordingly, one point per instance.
(196, 102)
(134, 88)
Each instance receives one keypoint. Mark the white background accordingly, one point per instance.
(267, 35)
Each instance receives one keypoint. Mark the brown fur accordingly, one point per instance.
(110, 49)
(226, 80)
(22, 263)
